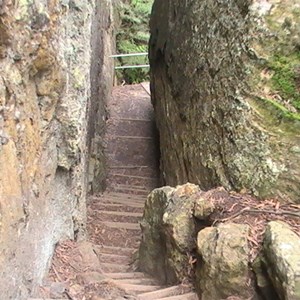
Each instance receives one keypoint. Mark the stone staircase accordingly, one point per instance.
(121, 213)
(113, 218)
(133, 173)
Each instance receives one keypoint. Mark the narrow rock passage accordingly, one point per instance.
(105, 267)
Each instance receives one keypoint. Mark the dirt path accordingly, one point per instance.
(104, 267)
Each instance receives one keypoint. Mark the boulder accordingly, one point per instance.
(222, 269)
(282, 257)
(168, 232)
(180, 231)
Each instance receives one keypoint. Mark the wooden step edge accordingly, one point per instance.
(114, 204)
(131, 119)
(114, 194)
(121, 213)
(129, 191)
(122, 225)
(142, 281)
(132, 137)
(124, 203)
(126, 275)
(165, 292)
(114, 268)
(132, 176)
(132, 187)
(129, 187)
(129, 167)
(137, 288)
(186, 296)
(111, 255)
(117, 249)
(136, 200)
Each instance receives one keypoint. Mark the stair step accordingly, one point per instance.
(133, 188)
(124, 196)
(137, 288)
(162, 293)
(114, 258)
(127, 275)
(188, 296)
(112, 250)
(131, 205)
(122, 225)
(142, 281)
(132, 119)
(133, 176)
(133, 137)
(130, 180)
(122, 213)
(125, 202)
(114, 268)
(141, 193)
(127, 197)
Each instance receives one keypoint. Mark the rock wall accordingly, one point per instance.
(225, 88)
(45, 88)
(102, 77)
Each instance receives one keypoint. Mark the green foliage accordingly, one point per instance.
(133, 37)
(286, 78)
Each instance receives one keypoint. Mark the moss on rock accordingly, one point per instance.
(226, 89)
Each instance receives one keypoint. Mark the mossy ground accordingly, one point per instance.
(283, 46)
(278, 78)
(286, 77)
(132, 37)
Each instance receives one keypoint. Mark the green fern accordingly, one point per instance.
(133, 37)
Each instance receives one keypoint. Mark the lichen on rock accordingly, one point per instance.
(222, 269)
(45, 87)
(169, 229)
(167, 232)
(281, 259)
(224, 78)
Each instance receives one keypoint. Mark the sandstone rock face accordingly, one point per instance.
(282, 256)
(225, 88)
(102, 66)
(168, 232)
(223, 270)
(45, 58)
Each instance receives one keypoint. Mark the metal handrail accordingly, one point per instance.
(131, 67)
(130, 55)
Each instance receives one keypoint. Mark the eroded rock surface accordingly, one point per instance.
(169, 231)
(282, 258)
(45, 59)
(222, 270)
(225, 88)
